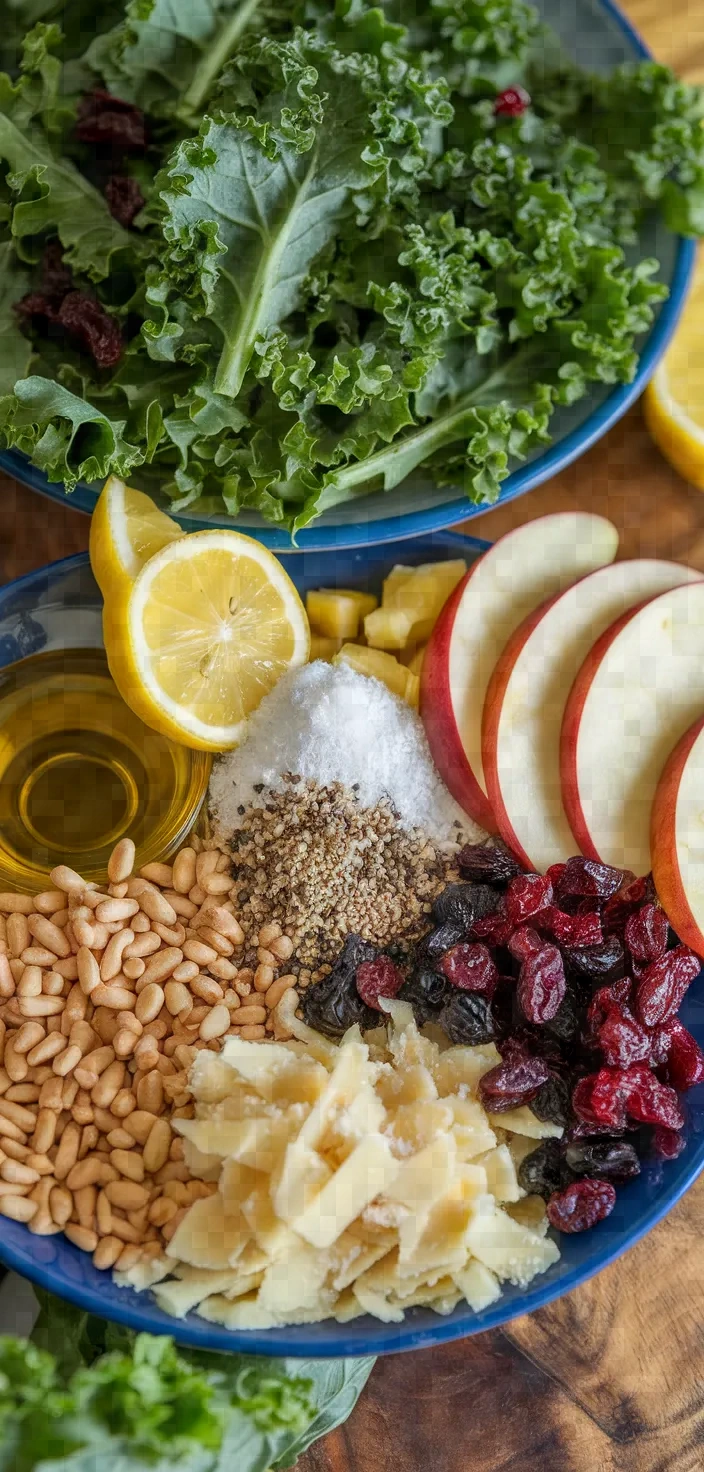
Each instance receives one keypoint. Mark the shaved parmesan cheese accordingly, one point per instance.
(510, 1250)
(366, 1173)
(207, 1237)
(524, 1122)
(478, 1285)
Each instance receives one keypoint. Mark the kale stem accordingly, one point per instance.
(216, 54)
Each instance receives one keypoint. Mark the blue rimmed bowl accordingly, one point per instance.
(61, 604)
(600, 37)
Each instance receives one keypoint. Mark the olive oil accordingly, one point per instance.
(79, 771)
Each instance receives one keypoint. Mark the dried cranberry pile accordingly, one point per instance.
(577, 979)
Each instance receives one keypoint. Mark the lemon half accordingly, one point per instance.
(126, 530)
(674, 399)
(210, 625)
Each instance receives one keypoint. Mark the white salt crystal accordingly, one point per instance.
(329, 723)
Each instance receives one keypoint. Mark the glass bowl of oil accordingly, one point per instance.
(78, 770)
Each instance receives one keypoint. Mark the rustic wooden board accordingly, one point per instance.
(610, 1378)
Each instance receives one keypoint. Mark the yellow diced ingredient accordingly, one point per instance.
(367, 601)
(413, 658)
(425, 589)
(398, 575)
(335, 615)
(381, 666)
(388, 628)
(324, 648)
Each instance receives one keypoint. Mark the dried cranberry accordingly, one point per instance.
(552, 1103)
(514, 1081)
(378, 978)
(554, 874)
(660, 1043)
(124, 198)
(621, 1038)
(587, 877)
(470, 967)
(525, 942)
(649, 1101)
(36, 306)
(541, 985)
(600, 1099)
(668, 1144)
(512, 102)
(599, 963)
(488, 863)
(662, 988)
(572, 930)
(86, 320)
(57, 277)
(526, 895)
(426, 992)
(610, 1160)
(540, 1173)
(621, 990)
(107, 120)
(496, 929)
(685, 1060)
(646, 933)
(581, 1205)
(467, 1018)
(628, 899)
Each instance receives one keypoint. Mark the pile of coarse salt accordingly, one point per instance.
(328, 723)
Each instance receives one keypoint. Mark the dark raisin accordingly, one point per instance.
(609, 1160)
(553, 1103)
(467, 1018)
(565, 1024)
(662, 987)
(433, 946)
(36, 307)
(514, 1081)
(606, 962)
(541, 985)
(488, 863)
(462, 904)
(526, 896)
(334, 1004)
(581, 1205)
(427, 992)
(376, 979)
(685, 1059)
(668, 1144)
(587, 877)
(86, 320)
(470, 967)
(108, 121)
(57, 277)
(124, 198)
(540, 1173)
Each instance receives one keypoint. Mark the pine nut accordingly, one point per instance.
(133, 968)
(37, 956)
(53, 984)
(123, 1104)
(109, 910)
(107, 1252)
(51, 1094)
(83, 931)
(263, 978)
(231, 1000)
(162, 965)
(67, 1153)
(156, 873)
(146, 1053)
(18, 1208)
(116, 998)
(124, 1042)
(176, 996)
(270, 931)
(129, 1164)
(139, 1125)
(128, 1195)
(49, 901)
(206, 864)
(222, 969)
(253, 1033)
(16, 904)
(86, 1172)
(83, 1237)
(30, 984)
(197, 895)
(161, 1211)
(276, 991)
(150, 1092)
(17, 934)
(184, 907)
(217, 884)
(195, 950)
(44, 1131)
(141, 923)
(184, 871)
(83, 1036)
(89, 1140)
(15, 1063)
(156, 1150)
(207, 990)
(124, 1230)
(65, 1062)
(18, 1173)
(118, 891)
(120, 1140)
(149, 1003)
(143, 945)
(282, 948)
(23, 1118)
(265, 957)
(111, 963)
(66, 879)
(121, 861)
(216, 1024)
(219, 942)
(108, 1085)
(129, 1257)
(41, 1006)
(49, 935)
(68, 968)
(27, 1037)
(82, 1109)
(170, 935)
(88, 970)
(85, 1203)
(157, 908)
(7, 980)
(250, 1016)
(103, 1214)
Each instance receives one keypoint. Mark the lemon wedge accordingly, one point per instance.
(674, 398)
(210, 625)
(126, 530)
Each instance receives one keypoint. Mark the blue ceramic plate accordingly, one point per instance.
(60, 605)
(599, 37)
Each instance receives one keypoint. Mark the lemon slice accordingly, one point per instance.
(126, 530)
(211, 624)
(674, 399)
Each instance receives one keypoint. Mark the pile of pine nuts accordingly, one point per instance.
(106, 995)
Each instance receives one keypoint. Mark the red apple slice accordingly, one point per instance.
(526, 698)
(677, 838)
(639, 689)
(513, 577)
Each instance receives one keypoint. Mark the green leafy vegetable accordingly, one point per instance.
(85, 1395)
(351, 267)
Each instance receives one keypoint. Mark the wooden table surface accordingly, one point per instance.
(611, 1377)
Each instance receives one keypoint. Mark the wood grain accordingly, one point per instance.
(611, 1377)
